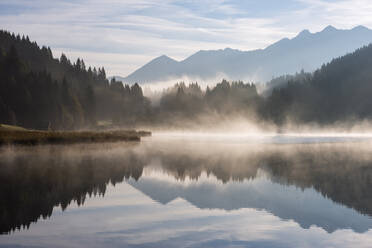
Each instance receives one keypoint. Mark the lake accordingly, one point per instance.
(190, 190)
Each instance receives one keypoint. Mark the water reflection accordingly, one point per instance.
(34, 180)
(326, 185)
(306, 207)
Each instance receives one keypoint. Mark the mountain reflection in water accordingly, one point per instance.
(323, 185)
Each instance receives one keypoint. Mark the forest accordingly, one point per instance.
(39, 91)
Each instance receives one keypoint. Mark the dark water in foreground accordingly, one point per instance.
(178, 191)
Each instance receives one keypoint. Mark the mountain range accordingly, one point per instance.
(306, 207)
(307, 51)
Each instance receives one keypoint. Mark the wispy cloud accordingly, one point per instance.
(133, 31)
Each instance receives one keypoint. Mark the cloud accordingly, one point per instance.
(342, 14)
(141, 29)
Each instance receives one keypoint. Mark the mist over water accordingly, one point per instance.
(267, 144)
(190, 189)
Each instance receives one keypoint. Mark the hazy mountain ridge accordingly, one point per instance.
(306, 51)
(287, 202)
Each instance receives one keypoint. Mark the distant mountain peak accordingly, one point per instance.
(162, 59)
(360, 27)
(164, 56)
(329, 28)
(306, 51)
(304, 33)
(228, 49)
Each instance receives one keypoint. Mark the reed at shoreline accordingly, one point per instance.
(18, 135)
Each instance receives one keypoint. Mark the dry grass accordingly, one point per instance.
(18, 135)
(4, 127)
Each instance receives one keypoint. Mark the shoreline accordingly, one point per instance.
(9, 136)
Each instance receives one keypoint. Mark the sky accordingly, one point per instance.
(123, 35)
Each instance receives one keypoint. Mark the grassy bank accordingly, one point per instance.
(19, 135)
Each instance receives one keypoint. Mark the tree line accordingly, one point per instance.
(39, 91)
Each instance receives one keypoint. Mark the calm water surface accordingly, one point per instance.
(189, 191)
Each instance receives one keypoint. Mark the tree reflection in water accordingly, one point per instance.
(35, 180)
